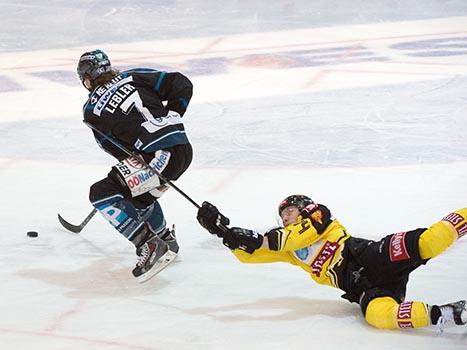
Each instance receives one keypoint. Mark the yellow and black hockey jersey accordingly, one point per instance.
(316, 244)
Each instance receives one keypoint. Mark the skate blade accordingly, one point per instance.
(164, 261)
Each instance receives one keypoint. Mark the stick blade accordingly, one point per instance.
(68, 226)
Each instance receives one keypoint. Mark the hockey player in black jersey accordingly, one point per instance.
(373, 274)
(141, 110)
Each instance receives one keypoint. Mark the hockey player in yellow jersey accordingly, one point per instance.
(373, 274)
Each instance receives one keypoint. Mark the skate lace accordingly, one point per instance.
(447, 315)
(144, 255)
(441, 324)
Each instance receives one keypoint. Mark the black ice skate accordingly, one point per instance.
(456, 312)
(459, 312)
(168, 236)
(154, 256)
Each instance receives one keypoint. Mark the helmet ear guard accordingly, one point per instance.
(92, 65)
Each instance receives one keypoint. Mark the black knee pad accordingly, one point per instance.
(104, 188)
(143, 201)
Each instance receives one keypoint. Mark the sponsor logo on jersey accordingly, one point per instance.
(311, 206)
(104, 99)
(135, 163)
(404, 315)
(305, 212)
(123, 169)
(317, 216)
(327, 252)
(397, 249)
(159, 121)
(140, 178)
(302, 254)
(138, 144)
(161, 160)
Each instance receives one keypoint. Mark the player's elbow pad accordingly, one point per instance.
(274, 238)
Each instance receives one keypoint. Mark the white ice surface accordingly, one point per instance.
(381, 142)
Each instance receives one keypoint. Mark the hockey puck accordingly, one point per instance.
(32, 234)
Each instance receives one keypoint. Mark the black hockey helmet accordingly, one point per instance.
(299, 200)
(93, 64)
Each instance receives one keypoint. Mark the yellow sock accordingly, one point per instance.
(386, 313)
(458, 220)
(439, 236)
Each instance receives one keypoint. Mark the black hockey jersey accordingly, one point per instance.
(133, 109)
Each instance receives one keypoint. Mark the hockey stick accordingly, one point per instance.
(76, 228)
(159, 175)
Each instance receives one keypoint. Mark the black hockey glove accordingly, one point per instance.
(212, 220)
(243, 239)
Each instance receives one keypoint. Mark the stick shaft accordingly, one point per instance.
(163, 178)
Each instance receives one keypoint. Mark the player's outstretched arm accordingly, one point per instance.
(233, 238)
